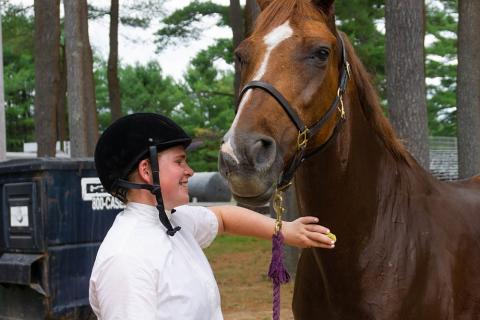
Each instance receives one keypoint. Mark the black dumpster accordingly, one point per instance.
(54, 215)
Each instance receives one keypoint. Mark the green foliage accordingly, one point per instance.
(202, 104)
(19, 75)
(441, 66)
(207, 107)
(203, 101)
(358, 19)
(143, 89)
(134, 14)
(183, 24)
(441, 24)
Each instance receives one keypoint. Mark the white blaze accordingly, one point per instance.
(271, 40)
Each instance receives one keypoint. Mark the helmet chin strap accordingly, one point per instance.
(155, 190)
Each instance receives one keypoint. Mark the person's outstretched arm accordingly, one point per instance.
(304, 232)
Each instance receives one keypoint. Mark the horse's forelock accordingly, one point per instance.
(282, 10)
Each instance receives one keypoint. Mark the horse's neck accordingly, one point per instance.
(347, 184)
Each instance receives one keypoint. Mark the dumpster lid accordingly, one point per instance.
(40, 164)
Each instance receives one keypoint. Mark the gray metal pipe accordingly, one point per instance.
(208, 187)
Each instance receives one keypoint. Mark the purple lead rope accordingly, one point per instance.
(277, 272)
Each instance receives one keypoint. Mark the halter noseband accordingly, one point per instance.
(304, 132)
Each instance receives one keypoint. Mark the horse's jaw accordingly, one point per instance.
(255, 201)
(251, 190)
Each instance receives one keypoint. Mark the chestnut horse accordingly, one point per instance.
(408, 245)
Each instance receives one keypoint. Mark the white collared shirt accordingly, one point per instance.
(142, 273)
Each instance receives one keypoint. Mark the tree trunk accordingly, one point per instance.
(468, 88)
(252, 10)
(47, 74)
(92, 122)
(113, 82)
(62, 131)
(236, 21)
(76, 77)
(3, 133)
(405, 71)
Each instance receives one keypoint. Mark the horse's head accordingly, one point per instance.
(294, 58)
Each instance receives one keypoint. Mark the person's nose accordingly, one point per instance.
(189, 171)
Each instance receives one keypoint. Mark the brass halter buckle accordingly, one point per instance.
(341, 108)
(349, 71)
(302, 139)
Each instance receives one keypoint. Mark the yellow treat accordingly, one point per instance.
(331, 236)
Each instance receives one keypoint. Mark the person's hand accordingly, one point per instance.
(306, 233)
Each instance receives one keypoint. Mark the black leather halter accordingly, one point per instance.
(304, 132)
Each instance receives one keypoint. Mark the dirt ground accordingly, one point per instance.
(240, 266)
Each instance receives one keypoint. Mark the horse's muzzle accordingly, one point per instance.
(250, 168)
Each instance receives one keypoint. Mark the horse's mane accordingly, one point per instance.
(280, 11)
(371, 107)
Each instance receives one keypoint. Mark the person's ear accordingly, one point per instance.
(144, 171)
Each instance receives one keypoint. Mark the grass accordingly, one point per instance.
(240, 265)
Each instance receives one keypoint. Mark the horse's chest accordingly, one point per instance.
(407, 284)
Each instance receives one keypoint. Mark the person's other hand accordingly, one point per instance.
(304, 232)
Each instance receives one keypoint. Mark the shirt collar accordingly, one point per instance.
(146, 211)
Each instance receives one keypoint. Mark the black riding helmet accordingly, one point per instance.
(125, 143)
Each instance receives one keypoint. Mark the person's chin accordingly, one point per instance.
(183, 200)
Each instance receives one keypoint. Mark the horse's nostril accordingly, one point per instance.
(226, 163)
(260, 146)
(262, 152)
(266, 143)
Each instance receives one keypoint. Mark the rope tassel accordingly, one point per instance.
(277, 271)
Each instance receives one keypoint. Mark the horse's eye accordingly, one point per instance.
(322, 54)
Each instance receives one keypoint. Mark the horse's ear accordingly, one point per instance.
(328, 8)
(263, 3)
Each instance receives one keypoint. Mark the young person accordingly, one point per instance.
(151, 264)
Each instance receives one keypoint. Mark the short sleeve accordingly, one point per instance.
(201, 221)
(123, 289)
